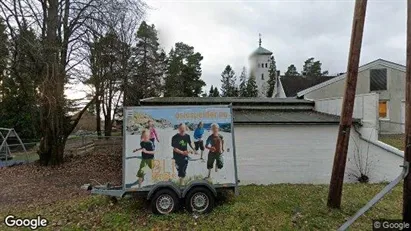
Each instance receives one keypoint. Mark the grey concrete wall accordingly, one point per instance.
(395, 95)
(365, 109)
(273, 154)
(390, 127)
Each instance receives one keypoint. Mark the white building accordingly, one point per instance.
(259, 66)
(383, 78)
(293, 140)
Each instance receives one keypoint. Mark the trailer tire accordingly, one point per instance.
(113, 200)
(164, 201)
(199, 200)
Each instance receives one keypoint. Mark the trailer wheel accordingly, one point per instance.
(113, 200)
(199, 200)
(164, 202)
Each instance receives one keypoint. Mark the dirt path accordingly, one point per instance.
(32, 184)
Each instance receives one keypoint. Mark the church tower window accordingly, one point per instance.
(262, 76)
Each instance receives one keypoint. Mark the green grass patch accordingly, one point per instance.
(274, 207)
(393, 140)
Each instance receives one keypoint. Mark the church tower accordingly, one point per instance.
(259, 65)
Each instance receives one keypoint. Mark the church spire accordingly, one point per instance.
(259, 41)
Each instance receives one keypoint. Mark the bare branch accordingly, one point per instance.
(80, 114)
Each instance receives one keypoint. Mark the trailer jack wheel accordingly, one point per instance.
(164, 202)
(199, 200)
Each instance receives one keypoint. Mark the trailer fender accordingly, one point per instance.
(197, 183)
(164, 184)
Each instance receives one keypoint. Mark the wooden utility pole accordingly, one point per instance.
(340, 157)
(407, 153)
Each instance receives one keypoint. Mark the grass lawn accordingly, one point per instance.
(393, 140)
(274, 207)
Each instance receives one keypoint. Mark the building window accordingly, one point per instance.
(265, 65)
(383, 109)
(262, 76)
(258, 65)
(378, 79)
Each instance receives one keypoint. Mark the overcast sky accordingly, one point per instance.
(226, 32)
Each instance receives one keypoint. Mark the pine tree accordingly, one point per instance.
(20, 81)
(162, 68)
(243, 83)
(109, 65)
(216, 93)
(272, 72)
(252, 89)
(313, 68)
(291, 71)
(172, 79)
(183, 77)
(211, 92)
(147, 62)
(4, 56)
(228, 80)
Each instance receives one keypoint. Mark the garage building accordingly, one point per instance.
(287, 141)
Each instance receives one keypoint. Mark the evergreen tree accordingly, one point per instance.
(211, 92)
(109, 57)
(148, 65)
(313, 68)
(183, 77)
(20, 82)
(216, 93)
(61, 32)
(4, 56)
(228, 80)
(243, 83)
(272, 73)
(252, 89)
(291, 71)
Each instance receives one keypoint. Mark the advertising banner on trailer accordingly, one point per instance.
(178, 144)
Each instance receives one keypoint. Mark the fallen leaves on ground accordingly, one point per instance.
(55, 194)
(32, 184)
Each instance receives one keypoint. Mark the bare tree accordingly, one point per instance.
(109, 54)
(362, 163)
(62, 26)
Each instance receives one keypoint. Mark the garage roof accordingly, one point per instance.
(225, 100)
(256, 110)
(283, 117)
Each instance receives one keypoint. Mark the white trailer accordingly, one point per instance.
(178, 155)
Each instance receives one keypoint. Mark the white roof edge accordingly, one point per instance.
(364, 67)
(281, 86)
(145, 99)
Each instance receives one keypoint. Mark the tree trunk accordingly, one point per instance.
(52, 123)
(107, 126)
(108, 118)
(52, 116)
(51, 150)
(98, 116)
